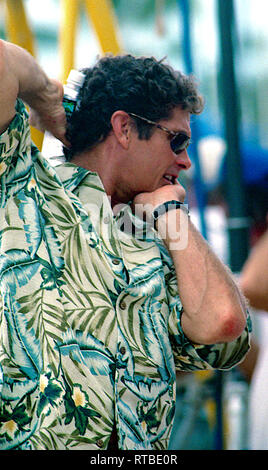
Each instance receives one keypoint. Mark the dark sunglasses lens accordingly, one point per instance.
(179, 143)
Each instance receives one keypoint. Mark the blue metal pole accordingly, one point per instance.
(238, 221)
(184, 8)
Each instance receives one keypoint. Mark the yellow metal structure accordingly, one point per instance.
(103, 20)
(68, 28)
(19, 32)
(17, 26)
(101, 14)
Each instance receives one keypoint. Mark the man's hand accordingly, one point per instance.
(47, 112)
(144, 203)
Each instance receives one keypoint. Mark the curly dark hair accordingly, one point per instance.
(143, 85)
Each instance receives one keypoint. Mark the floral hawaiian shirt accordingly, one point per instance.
(90, 332)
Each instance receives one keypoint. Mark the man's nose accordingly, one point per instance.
(183, 160)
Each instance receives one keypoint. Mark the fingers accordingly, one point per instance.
(55, 123)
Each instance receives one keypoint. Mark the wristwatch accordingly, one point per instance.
(166, 207)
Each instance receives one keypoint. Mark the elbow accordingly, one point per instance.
(226, 326)
(232, 325)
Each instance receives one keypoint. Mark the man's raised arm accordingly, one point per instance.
(21, 76)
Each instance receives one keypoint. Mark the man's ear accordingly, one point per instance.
(120, 121)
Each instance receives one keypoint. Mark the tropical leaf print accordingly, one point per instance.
(33, 222)
(77, 408)
(17, 267)
(146, 278)
(146, 389)
(51, 393)
(157, 344)
(45, 315)
(131, 429)
(87, 350)
(23, 343)
(13, 421)
(37, 229)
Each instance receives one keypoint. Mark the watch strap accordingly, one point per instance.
(166, 207)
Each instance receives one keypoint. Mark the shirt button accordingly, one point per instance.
(122, 350)
(99, 443)
(123, 305)
(116, 261)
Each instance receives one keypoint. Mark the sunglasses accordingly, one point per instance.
(179, 141)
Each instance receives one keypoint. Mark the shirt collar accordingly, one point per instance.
(88, 186)
(72, 175)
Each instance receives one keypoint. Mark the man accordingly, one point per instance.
(103, 295)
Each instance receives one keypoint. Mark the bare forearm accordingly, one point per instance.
(214, 310)
(32, 81)
(21, 76)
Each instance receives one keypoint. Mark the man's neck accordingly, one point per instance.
(108, 171)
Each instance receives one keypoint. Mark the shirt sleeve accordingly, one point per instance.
(15, 153)
(189, 356)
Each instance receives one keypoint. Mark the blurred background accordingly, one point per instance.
(224, 43)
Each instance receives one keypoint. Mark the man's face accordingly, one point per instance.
(152, 163)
